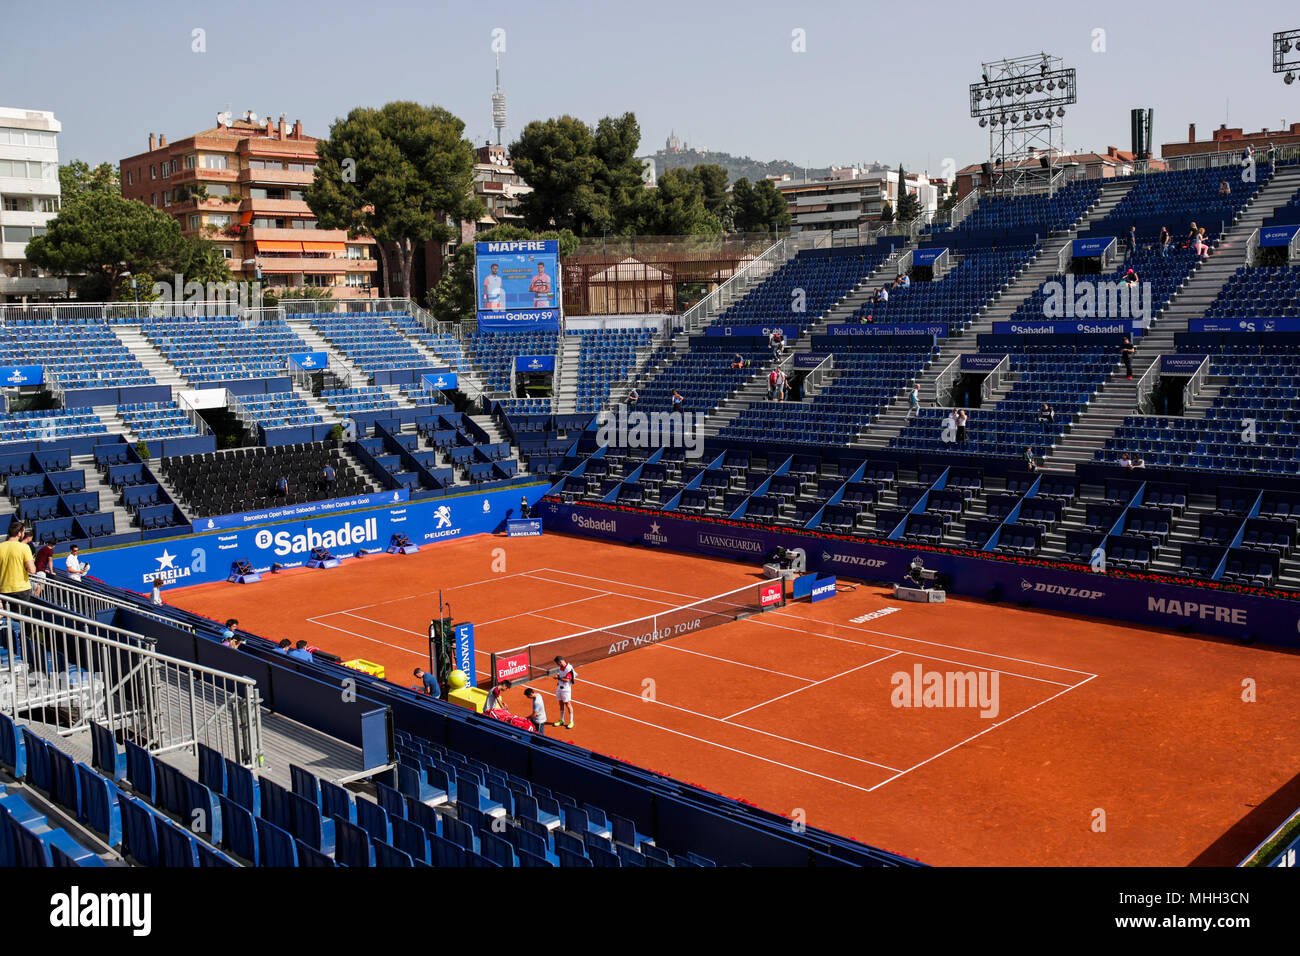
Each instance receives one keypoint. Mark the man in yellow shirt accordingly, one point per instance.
(16, 564)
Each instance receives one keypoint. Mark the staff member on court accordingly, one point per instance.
(564, 678)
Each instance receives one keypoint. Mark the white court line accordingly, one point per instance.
(727, 660)
(511, 617)
(734, 750)
(980, 734)
(755, 730)
(583, 587)
(822, 681)
(367, 637)
(422, 594)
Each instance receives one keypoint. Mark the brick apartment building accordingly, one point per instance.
(1224, 138)
(241, 185)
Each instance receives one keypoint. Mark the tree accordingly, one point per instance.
(950, 199)
(402, 174)
(455, 296)
(909, 207)
(101, 236)
(270, 299)
(886, 211)
(77, 179)
(200, 261)
(758, 207)
(713, 186)
(676, 207)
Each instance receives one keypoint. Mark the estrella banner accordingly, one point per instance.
(203, 558)
(12, 376)
(1152, 603)
(243, 520)
(927, 257)
(309, 361)
(440, 380)
(520, 278)
(534, 363)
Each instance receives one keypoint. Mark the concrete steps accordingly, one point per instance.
(154, 362)
(316, 342)
(108, 499)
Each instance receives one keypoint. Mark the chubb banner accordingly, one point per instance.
(201, 558)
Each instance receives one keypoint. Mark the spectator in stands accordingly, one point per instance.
(869, 319)
(632, 396)
(1125, 461)
(494, 698)
(883, 295)
(678, 401)
(228, 630)
(16, 564)
(1138, 462)
(737, 360)
(564, 678)
(776, 384)
(1030, 461)
(905, 281)
(328, 477)
(74, 565)
(429, 683)
(913, 401)
(155, 596)
(777, 340)
(960, 421)
(285, 646)
(1196, 240)
(1247, 155)
(1045, 414)
(300, 653)
(538, 715)
(1224, 188)
(950, 426)
(44, 556)
(282, 487)
(234, 642)
(1130, 278)
(1166, 239)
(1126, 351)
(1133, 238)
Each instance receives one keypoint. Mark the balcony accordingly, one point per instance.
(30, 286)
(275, 177)
(333, 265)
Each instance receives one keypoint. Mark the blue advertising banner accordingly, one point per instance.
(1180, 364)
(808, 361)
(1206, 610)
(519, 278)
(1277, 235)
(1084, 248)
(288, 512)
(1255, 324)
(11, 376)
(464, 645)
(980, 362)
(441, 380)
(520, 320)
(308, 361)
(524, 528)
(535, 363)
(927, 257)
(940, 331)
(790, 332)
(203, 558)
(1095, 327)
(802, 586)
(823, 589)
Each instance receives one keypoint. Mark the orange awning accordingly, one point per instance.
(337, 248)
(278, 245)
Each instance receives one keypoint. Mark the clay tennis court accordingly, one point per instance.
(1110, 745)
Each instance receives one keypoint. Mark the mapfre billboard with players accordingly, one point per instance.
(518, 285)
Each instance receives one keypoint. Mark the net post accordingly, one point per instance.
(492, 670)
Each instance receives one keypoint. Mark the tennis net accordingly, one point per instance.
(532, 661)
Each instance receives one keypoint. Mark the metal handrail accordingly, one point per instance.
(994, 378)
(765, 263)
(1252, 247)
(815, 377)
(69, 672)
(1195, 382)
(89, 603)
(1146, 385)
(943, 383)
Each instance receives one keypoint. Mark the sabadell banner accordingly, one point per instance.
(199, 559)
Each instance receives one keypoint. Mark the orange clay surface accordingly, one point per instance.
(1111, 744)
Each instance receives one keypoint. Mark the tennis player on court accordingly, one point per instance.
(494, 293)
(564, 691)
(540, 287)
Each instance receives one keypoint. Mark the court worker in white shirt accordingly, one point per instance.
(75, 568)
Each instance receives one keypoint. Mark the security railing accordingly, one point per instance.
(192, 413)
(994, 378)
(815, 379)
(1195, 382)
(67, 672)
(943, 384)
(87, 602)
(1146, 385)
(756, 270)
(1252, 247)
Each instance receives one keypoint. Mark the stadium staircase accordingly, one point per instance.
(109, 502)
(1001, 308)
(154, 362)
(1119, 396)
(566, 375)
(318, 343)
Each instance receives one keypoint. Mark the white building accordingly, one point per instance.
(29, 197)
(850, 199)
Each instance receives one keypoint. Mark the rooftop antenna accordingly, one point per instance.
(499, 104)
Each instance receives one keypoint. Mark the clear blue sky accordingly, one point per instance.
(878, 81)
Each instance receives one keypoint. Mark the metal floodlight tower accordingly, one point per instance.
(1022, 102)
(1286, 54)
